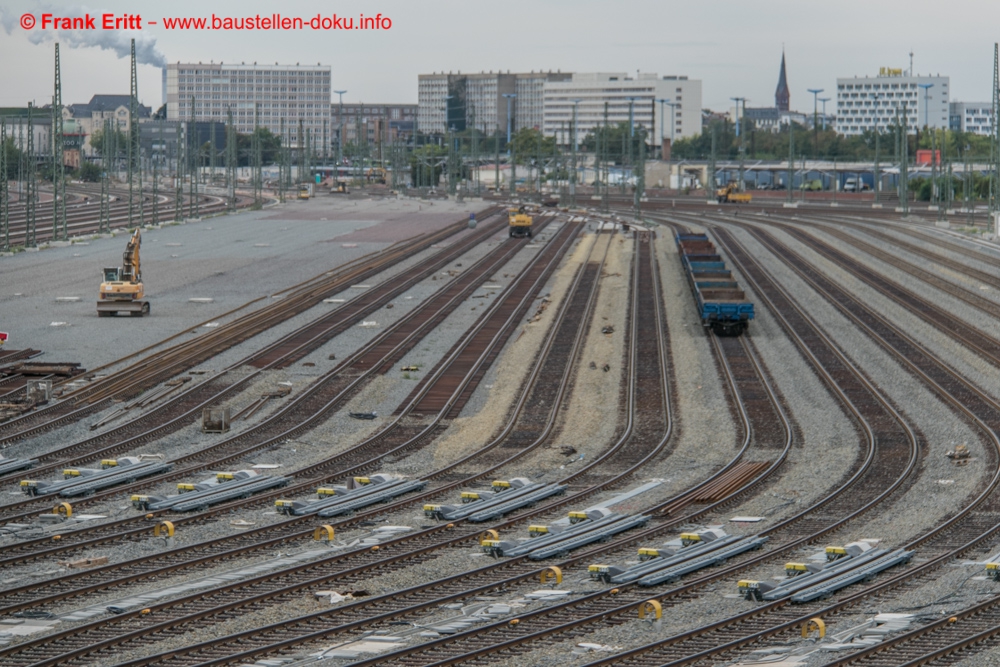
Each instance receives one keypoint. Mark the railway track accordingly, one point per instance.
(561, 348)
(324, 396)
(357, 457)
(186, 406)
(960, 533)
(508, 582)
(83, 216)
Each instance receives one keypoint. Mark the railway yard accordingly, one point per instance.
(366, 431)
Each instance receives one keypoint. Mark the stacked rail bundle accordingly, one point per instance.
(722, 305)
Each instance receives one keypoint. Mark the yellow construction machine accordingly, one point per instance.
(122, 287)
(519, 222)
(731, 195)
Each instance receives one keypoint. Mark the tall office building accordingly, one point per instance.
(864, 103)
(271, 92)
(451, 101)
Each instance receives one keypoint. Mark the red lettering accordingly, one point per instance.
(107, 21)
(46, 19)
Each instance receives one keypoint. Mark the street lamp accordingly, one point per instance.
(824, 100)
(663, 101)
(927, 97)
(815, 92)
(340, 132)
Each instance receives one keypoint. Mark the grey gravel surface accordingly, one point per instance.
(928, 501)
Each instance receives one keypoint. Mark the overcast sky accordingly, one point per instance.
(733, 47)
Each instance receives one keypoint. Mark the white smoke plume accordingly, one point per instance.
(119, 41)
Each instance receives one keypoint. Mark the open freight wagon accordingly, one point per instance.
(722, 305)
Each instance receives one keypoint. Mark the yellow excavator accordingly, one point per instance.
(730, 194)
(519, 222)
(122, 289)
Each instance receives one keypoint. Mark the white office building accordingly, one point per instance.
(974, 117)
(266, 93)
(616, 92)
(864, 103)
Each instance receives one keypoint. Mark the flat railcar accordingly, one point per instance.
(722, 305)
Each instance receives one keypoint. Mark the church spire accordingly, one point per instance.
(782, 96)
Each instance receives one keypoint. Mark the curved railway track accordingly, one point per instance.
(962, 532)
(315, 403)
(162, 364)
(639, 434)
(563, 346)
(186, 407)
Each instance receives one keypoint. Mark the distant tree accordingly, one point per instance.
(89, 172)
(614, 142)
(120, 139)
(426, 165)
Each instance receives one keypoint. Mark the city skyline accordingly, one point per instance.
(734, 50)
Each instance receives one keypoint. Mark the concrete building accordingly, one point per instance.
(864, 103)
(274, 92)
(390, 122)
(975, 117)
(91, 116)
(158, 140)
(450, 100)
(595, 89)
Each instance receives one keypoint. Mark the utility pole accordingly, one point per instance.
(836, 180)
(740, 133)
(994, 193)
(711, 166)
(607, 163)
(815, 92)
(258, 180)
(155, 159)
(510, 146)
(496, 163)
(878, 174)
(640, 176)
(904, 165)
(824, 100)
(107, 158)
(572, 177)
(475, 147)
(4, 193)
(179, 172)
(58, 164)
(340, 133)
(134, 146)
(30, 186)
(791, 159)
(232, 157)
(193, 153)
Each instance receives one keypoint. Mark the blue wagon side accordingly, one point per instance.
(722, 305)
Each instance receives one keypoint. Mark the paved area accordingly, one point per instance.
(48, 298)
